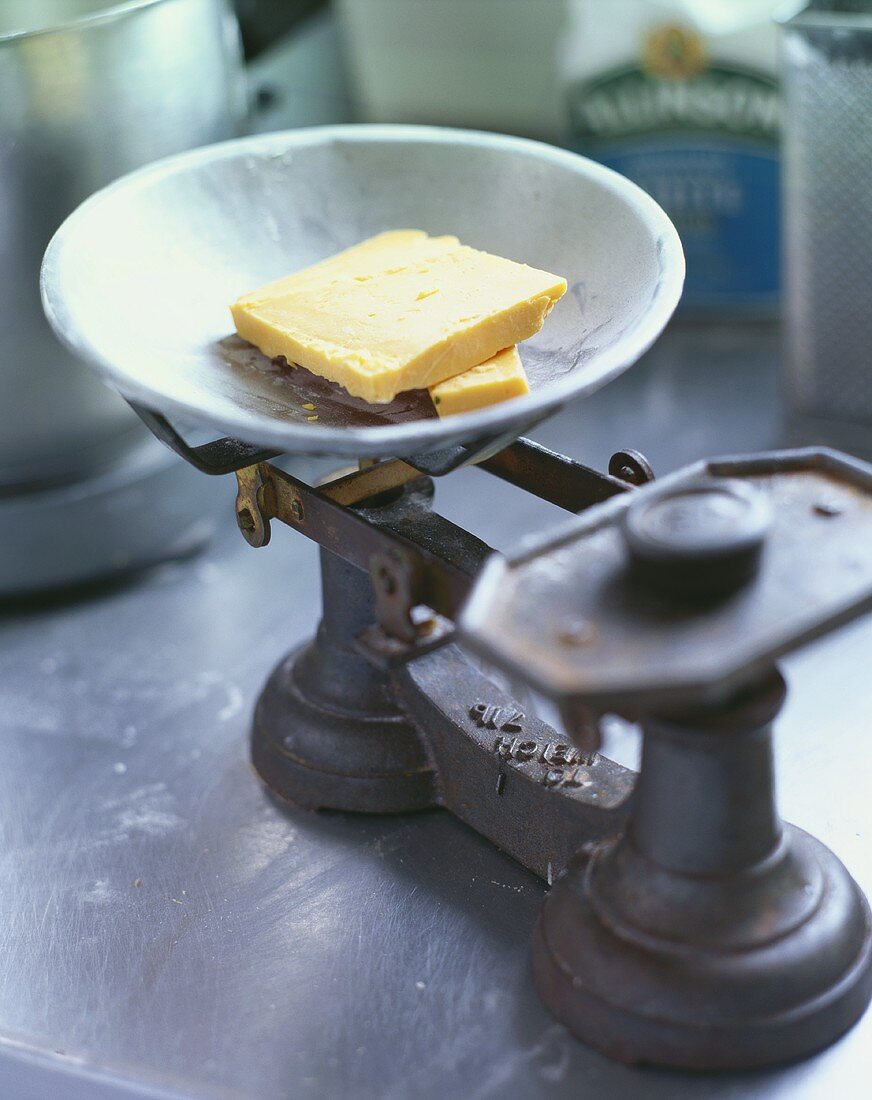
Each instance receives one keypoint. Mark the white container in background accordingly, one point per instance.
(681, 96)
(487, 64)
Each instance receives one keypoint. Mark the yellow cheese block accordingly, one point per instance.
(400, 311)
(499, 378)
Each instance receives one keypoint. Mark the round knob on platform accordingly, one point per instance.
(699, 540)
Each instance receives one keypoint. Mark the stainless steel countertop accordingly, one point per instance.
(168, 930)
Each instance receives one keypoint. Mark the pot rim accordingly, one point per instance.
(102, 15)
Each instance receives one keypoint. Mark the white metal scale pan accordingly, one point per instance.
(138, 280)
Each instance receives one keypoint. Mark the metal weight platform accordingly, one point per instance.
(687, 926)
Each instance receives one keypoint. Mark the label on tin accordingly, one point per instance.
(701, 138)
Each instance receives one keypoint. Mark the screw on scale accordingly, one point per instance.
(631, 466)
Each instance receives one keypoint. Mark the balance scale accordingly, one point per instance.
(687, 925)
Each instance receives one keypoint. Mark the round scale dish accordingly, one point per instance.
(138, 280)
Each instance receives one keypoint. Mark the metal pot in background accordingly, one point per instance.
(88, 91)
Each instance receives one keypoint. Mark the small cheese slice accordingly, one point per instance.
(397, 312)
(499, 378)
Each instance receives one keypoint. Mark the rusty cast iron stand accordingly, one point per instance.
(687, 925)
(350, 722)
(710, 934)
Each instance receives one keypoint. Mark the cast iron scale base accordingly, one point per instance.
(687, 924)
